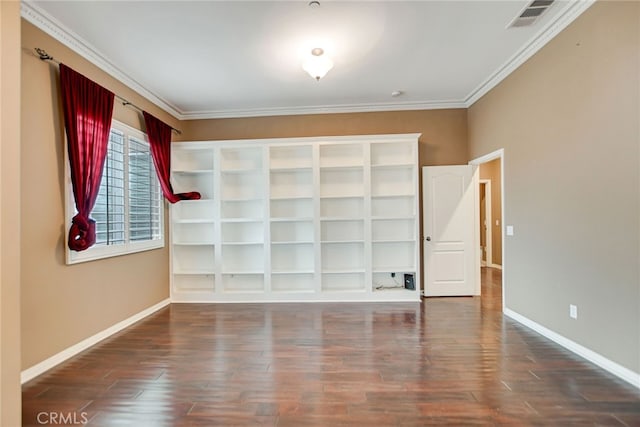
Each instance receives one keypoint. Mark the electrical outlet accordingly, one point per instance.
(573, 311)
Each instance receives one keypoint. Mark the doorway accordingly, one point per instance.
(484, 196)
(491, 181)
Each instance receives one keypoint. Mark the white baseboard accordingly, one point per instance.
(56, 359)
(619, 371)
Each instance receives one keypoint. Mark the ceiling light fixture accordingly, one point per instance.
(318, 64)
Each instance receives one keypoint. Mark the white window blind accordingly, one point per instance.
(144, 194)
(109, 209)
(129, 207)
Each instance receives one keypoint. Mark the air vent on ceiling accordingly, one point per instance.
(531, 13)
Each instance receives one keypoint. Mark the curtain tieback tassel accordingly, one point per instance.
(82, 234)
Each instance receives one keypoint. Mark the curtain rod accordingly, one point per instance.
(44, 56)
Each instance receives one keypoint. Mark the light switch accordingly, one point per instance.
(573, 311)
(509, 230)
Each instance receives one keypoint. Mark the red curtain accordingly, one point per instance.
(88, 108)
(159, 134)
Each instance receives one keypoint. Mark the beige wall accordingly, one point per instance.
(491, 171)
(10, 213)
(62, 305)
(443, 140)
(568, 120)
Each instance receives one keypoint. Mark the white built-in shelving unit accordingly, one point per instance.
(296, 219)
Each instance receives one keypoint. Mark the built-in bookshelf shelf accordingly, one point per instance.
(291, 157)
(342, 182)
(293, 282)
(291, 184)
(192, 158)
(194, 221)
(194, 172)
(296, 219)
(292, 219)
(179, 243)
(342, 155)
(241, 209)
(183, 183)
(292, 242)
(194, 272)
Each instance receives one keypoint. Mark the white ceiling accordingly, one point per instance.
(206, 59)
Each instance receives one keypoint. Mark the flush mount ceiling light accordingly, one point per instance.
(318, 64)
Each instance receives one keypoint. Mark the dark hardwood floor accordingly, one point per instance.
(448, 361)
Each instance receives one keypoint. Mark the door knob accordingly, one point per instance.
(428, 238)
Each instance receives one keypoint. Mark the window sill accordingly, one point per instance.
(98, 252)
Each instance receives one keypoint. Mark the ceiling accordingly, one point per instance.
(208, 59)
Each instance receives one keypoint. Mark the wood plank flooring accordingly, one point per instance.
(448, 361)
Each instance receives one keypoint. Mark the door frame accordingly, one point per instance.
(488, 218)
(498, 154)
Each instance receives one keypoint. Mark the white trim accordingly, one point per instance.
(340, 139)
(101, 252)
(324, 109)
(73, 41)
(608, 365)
(56, 359)
(297, 297)
(489, 221)
(498, 154)
(497, 266)
(537, 42)
(475, 177)
(41, 19)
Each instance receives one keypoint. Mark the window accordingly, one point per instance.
(129, 209)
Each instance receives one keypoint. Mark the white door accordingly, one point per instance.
(450, 227)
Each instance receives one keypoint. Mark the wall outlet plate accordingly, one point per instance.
(573, 311)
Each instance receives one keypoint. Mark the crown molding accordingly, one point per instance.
(537, 42)
(73, 41)
(322, 109)
(64, 35)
